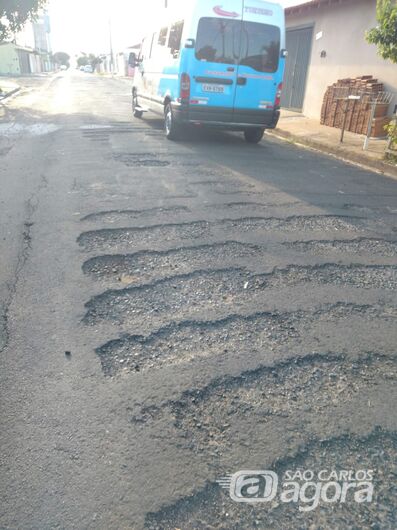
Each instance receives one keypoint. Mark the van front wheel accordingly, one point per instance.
(254, 135)
(172, 129)
(137, 113)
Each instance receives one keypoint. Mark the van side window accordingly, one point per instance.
(141, 56)
(162, 40)
(146, 49)
(174, 42)
(154, 44)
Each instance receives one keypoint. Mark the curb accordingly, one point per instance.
(11, 93)
(344, 154)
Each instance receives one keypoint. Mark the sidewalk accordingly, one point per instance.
(8, 87)
(299, 129)
(10, 84)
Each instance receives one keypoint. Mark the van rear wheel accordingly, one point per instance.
(254, 135)
(172, 129)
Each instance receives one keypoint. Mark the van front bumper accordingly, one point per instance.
(226, 118)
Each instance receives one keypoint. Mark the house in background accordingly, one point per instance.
(326, 42)
(29, 52)
(42, 41)
(119, 64)
(16, 60)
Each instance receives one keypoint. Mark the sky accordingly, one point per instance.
(83, 25)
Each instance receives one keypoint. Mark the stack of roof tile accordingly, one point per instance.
(358, 111)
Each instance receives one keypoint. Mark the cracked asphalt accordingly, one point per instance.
(172, 313)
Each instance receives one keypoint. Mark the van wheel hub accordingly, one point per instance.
(168, 121)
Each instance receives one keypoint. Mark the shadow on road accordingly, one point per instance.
(312, 177)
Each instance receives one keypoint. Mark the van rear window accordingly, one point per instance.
(260, 46)
(218, 40)
(238, 42)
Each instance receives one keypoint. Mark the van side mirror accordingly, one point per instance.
(132, 60)
(284, 53)
(190, 43)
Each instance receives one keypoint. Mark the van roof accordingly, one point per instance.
(179, 11)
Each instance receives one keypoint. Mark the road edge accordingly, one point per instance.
(388, 170)
(11, 93)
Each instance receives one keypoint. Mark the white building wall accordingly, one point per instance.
(343, 28)
(25, 38)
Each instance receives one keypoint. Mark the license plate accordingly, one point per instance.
(218, 89)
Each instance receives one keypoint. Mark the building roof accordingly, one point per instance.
(18, 47)
(314, 4)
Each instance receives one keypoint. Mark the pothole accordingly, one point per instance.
(140, 159)
(370, 209)
(94, 127)
(235, 335)
(11, 129)
(108, 238)
(376, 247)
(219, 290)
(211, 508)
(98, 239)
(180, 343)
(5, 150)
(112, 216)
(250, 205)
(225, 184)
(302, 386)
(153, 264)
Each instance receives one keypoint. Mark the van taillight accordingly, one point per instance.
(277, 101)
(185, 86)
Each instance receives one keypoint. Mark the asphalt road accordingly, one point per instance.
(171, 313)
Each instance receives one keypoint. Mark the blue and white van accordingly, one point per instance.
(217, 63)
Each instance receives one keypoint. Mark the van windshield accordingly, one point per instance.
(235, 42)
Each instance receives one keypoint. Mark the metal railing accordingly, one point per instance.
(371, 98)
(391, 148)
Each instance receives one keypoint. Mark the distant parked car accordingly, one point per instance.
(88, 69)
(81, 68)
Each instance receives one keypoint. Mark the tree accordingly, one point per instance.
(82, 61)
(94, 60)
(15, 13)
(61, 58)
(91, 59)
(385, 34)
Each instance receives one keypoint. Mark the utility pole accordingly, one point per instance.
(111, 46)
